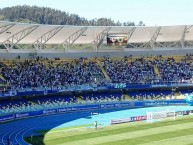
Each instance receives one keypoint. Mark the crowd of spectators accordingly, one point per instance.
(56, 101)
(37, 103)
(151, 95)
(59, 101)
(173, 71)
(142, 70)
(44, 73)
(188, 57)
(134, 72)
(52, 74)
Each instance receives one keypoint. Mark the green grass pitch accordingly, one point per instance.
(166, 132)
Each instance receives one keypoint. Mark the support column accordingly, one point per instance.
(72, 38)
(184, 35)
(99, 38)
(130, 33)
(154, 37)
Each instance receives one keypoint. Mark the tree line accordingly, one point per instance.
(45, 15)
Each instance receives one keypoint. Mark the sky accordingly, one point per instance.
(151, 12)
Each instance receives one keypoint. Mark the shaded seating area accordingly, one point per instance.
(150, 95)
(101, 97)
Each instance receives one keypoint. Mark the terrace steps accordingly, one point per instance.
(79, 99)
(156, 71)
(30, 101)
(127, 97)
(176, 94)
(103, 70)
(1, 77)
(179, 96)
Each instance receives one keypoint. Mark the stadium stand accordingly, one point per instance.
(35, 103)
(56, 101)
(46, 67)
(172, 71)
(138, 71)
(38, 74)
(31, 74)
(102, 97)
(43, 73)
(150, 95)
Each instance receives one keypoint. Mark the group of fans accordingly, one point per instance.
(41, 74)
(142, 70)
(134, 72)
(32, 74)
(172, 71)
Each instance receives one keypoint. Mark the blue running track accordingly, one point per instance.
(19, 129)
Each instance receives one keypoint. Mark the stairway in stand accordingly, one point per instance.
(103, 70)
(126, 96)
(156, 71)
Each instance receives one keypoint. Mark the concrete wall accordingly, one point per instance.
(116, 53)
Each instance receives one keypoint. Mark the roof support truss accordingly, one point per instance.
(15, 38)
(45, 37)
(184, 34)
(154, 37)
(99, 38)
(130, 33)
(72, 38)
(5, 28)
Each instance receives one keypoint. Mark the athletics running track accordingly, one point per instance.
(17, 130)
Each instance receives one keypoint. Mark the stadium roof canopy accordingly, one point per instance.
(38, 35)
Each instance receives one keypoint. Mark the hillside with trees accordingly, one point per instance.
(45, 15)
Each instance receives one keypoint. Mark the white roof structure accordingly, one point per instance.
(38, 35)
